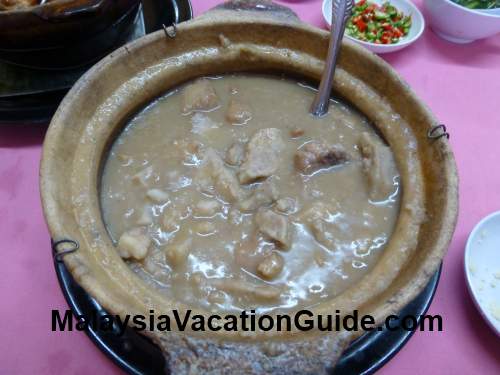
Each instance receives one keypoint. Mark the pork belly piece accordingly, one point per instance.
(223, 179)
(238, 113)
(199, 96)
(262, 157)
(134, 244)
(318, 155)
(274, 226)
(265, 194)
(379, 167)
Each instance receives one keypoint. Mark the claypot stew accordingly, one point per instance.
(226, 194)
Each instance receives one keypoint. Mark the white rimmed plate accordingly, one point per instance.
(482, 268)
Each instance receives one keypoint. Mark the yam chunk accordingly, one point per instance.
(317, 155)
(274, 226)
(134, 244)
(379, 167)
(199, 96)
(263, 155)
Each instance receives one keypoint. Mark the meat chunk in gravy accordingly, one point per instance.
(263, 155)
(199, 96)
(251, 252)
(318, 155)
(178, 252)
(213, 171)
(265, 194)
(286, 205)
(145, 217)
(157, 195)
(235, 154)
(274, 226)
(271, 266)
(317, 217)
(238, 113)
(379, 167)
(134, 244)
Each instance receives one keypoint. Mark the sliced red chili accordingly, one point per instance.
(361, 25)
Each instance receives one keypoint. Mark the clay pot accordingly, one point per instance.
(220, 42)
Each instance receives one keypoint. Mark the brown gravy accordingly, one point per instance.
(226, 194)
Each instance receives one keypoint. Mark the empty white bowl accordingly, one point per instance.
(482, 268)
(459, 24)
(405, 6)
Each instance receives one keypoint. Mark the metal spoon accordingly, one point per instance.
(341, 11)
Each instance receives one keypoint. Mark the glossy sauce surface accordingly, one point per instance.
(227, 194)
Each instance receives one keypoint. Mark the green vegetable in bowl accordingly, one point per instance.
(379, 24)
(479, 4)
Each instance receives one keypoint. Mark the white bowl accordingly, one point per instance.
(458, 24)
(407, 7)
(482, 268)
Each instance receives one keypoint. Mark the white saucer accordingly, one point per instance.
(482, 268)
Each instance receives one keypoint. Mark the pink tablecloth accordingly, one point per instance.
(462, 86)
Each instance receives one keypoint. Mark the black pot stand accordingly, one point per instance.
(136, 354)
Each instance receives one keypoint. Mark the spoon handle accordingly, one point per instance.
(341, 11)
